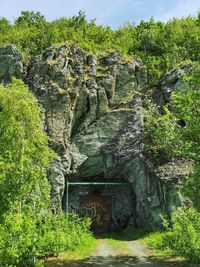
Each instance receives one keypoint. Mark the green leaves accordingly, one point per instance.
(162, 134)
(24, 152)
(24, 234)
(184, 237)
(181, 238)
(176, 132)
(24, 156)
(30, 18)
(160, 45)
(27, 225)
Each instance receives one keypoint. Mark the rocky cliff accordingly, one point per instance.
(94, 116)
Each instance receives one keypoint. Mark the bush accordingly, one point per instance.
(62, 233)
(23, 236)
(17, 240)
(184, 236)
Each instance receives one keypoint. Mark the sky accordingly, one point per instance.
(107, 12)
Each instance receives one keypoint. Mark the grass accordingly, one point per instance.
(119, 242)
(155, 241)
(81, 252)
(128, 235)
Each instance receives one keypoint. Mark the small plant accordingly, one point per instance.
(182, 238)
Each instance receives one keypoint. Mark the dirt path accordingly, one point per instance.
(137, 254)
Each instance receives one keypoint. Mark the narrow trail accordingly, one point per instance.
(135, 254)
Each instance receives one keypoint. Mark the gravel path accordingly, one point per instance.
(137, 255)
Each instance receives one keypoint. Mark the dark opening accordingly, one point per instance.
(99, 209)
(110, 206)
(182, 123)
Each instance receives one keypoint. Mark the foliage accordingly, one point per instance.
(183, 238)
(24, 154)
(80, 252)
(27, 225)
(62, 233)
(165, 135)
(161, 133)
(23, 236)
(191, 187)
(160, 45)
(30, 18)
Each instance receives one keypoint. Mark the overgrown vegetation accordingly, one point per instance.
(165, 137)
(28, 227)
(180, 139)
(181, 236)
(160, 45)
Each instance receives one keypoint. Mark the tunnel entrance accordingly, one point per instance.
(110, 205)
(98, 208)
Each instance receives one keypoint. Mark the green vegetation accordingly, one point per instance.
(127, 235)
(180, 140)
(28, 229)
(82, 251)
(27, 226)
(181, 237)
(166, 137)
(160, 45)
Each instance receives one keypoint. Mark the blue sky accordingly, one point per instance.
(106, 12)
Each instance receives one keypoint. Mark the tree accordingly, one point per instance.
(24, 158)
(4, 25)
(24, 154)
(27, 224)
(30, 18)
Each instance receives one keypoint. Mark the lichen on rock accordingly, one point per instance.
(93, 115)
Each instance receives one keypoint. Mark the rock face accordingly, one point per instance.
(170, 83)
(93, 114)
(10, 63)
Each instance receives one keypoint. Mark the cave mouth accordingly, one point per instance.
(110, 205)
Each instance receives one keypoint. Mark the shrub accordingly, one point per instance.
(23, 236)
(61, 233)
(184, 236)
